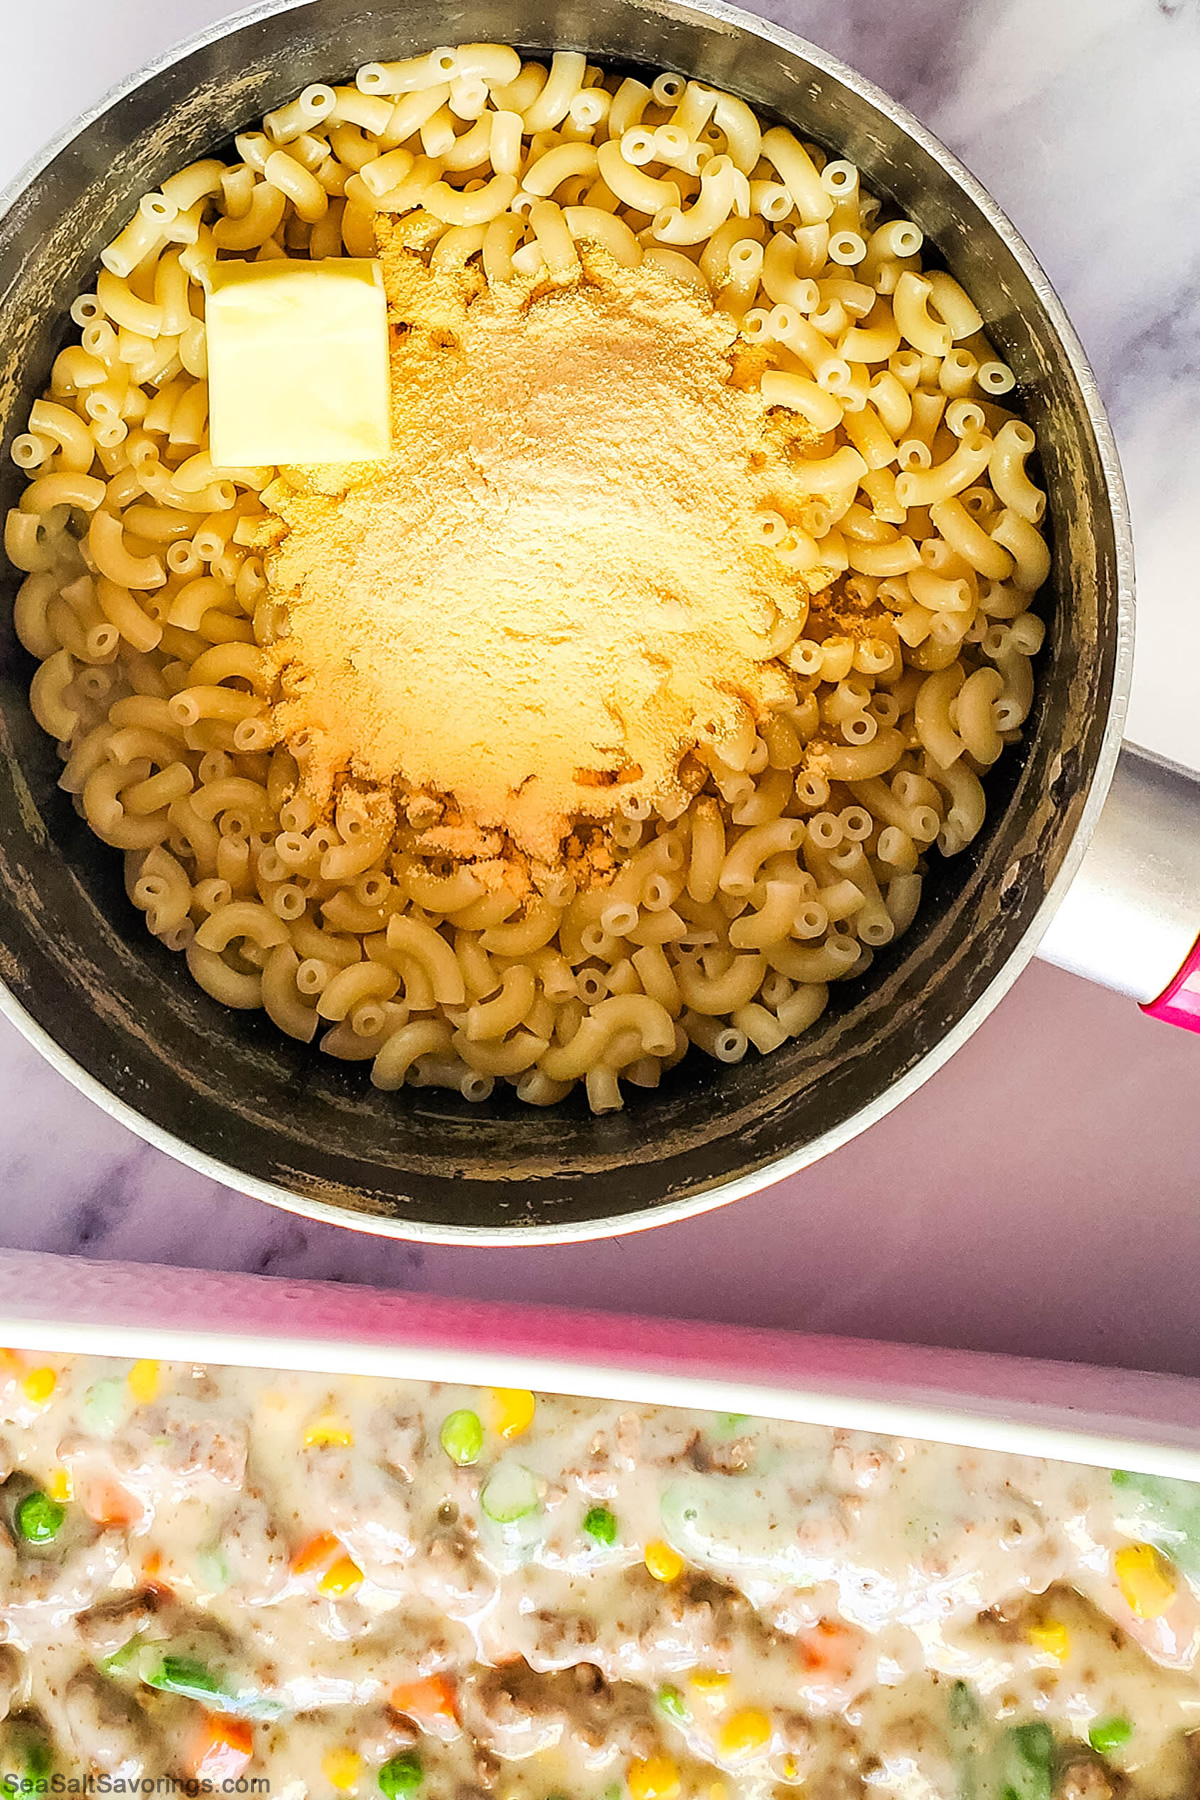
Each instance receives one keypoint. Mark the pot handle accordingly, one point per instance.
(1131, 918)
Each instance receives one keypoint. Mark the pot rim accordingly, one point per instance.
(669, 1211)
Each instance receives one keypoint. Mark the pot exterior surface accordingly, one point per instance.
(118, 1013)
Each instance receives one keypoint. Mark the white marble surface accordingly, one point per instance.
(1042, 1194)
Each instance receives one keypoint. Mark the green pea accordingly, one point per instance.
(39, 1761)
(1035, 1742)
(601, 1525)
(511, 1493)
(1107, 1735)
(39, 1519)
(104, 1407)
(402, 1775)
(673, 1704)
(462, 1437)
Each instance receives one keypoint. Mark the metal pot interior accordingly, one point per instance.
(229, 1093)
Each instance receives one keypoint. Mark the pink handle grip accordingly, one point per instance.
(1179, 1002)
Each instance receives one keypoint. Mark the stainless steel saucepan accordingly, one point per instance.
(225, 1092)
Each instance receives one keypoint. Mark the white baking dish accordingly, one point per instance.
(1111, 1418)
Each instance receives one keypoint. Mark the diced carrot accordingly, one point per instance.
(831, 1649)
(152, 1581)
(315, 1552)
(109, 1504)
(221, 1748)
(11, 1362)
(430, 1698)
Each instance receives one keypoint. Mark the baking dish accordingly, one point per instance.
(223, 1092)
(1110, 1418)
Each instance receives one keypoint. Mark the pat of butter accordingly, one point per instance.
(297, 362)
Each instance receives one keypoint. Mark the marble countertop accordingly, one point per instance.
(1042, 1193)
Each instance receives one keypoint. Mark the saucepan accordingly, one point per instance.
(115, 1012)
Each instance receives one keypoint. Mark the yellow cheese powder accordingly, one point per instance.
(554, 587)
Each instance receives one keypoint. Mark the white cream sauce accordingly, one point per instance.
(846, 1615)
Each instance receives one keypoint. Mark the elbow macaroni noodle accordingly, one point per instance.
(804, 852)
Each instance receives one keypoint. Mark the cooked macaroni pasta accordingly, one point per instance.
(915, 529)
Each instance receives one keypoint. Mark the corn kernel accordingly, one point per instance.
(1052, 1638)
(512, 1411)
(38, 1385)
(145, 1379)
(60, 1487)
(341, 1769)
(553, 1769)
(709, 1681)
(744, 1732)
(663, 1563)
(342, 1577)
(717, 1791)
(327, 1428)
(653, 1778)
(1143, 1579)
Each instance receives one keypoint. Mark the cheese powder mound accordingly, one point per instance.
(553, 588)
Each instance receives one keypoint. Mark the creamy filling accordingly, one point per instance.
(367, 1586)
